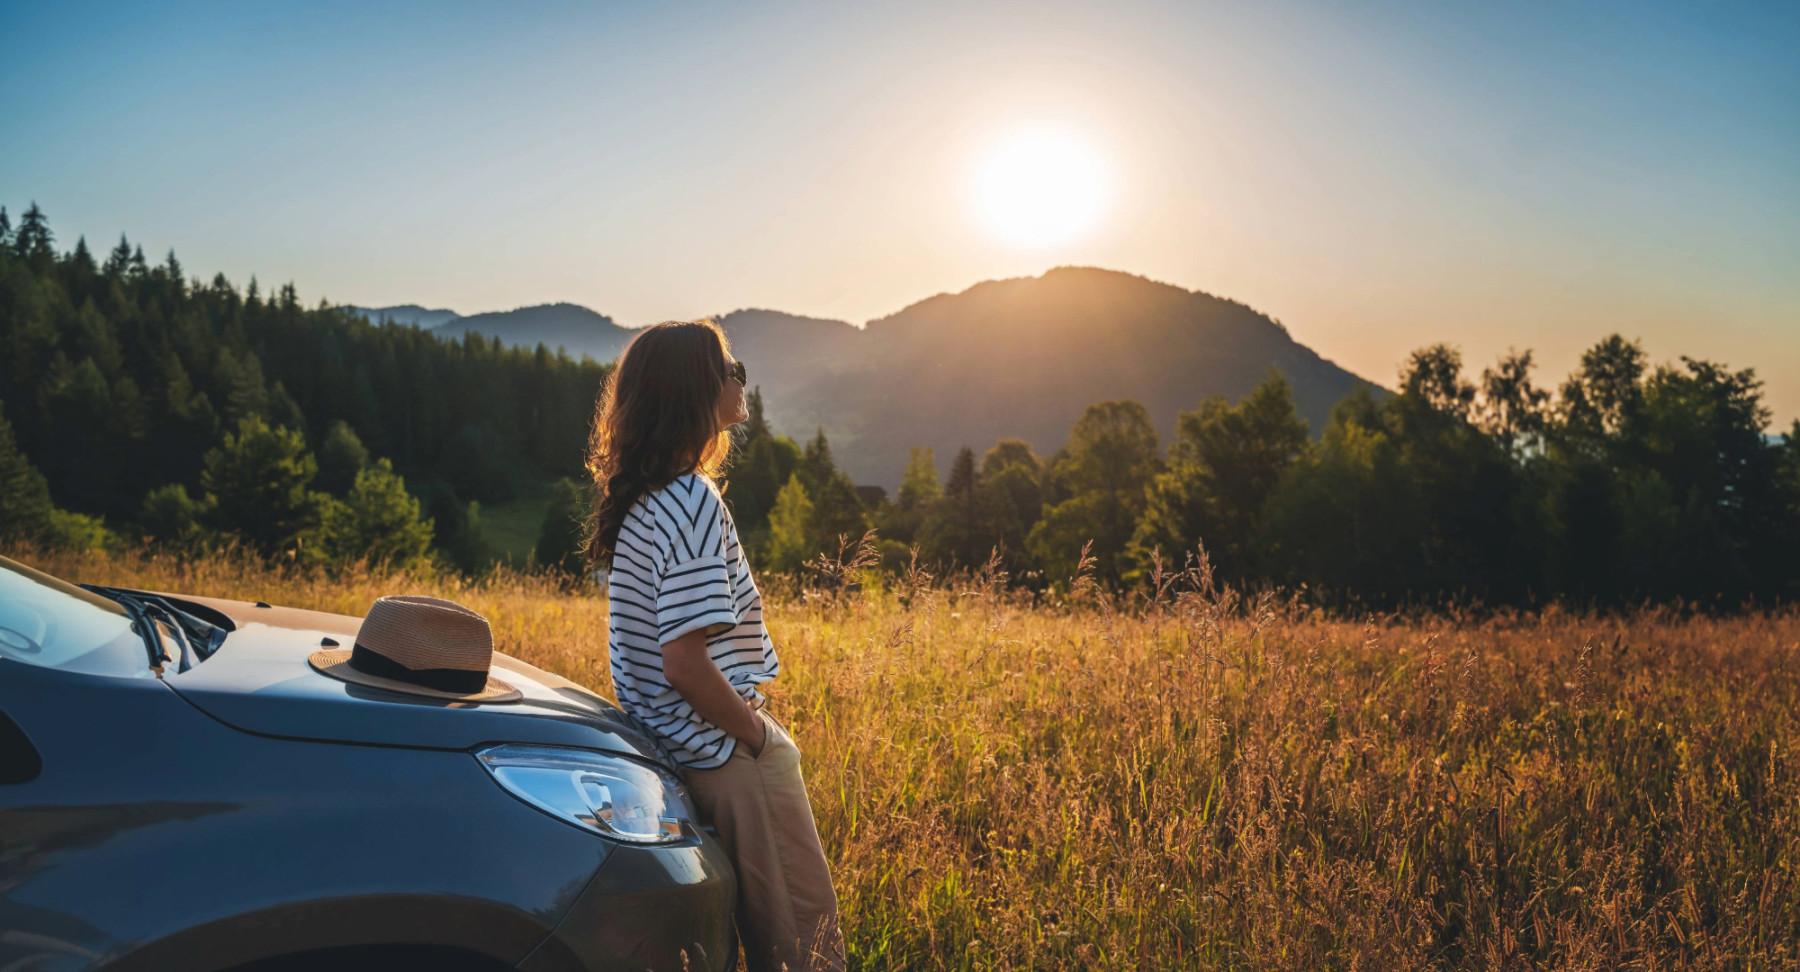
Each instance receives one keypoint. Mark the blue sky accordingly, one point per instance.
(1377, 176)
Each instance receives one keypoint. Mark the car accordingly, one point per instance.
(179, 789)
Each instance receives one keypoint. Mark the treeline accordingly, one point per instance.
(138, 404)
(1629, 482)
(153, 402)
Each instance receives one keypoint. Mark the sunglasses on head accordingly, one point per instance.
(736, 371)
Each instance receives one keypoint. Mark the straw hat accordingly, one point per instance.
(423, 646)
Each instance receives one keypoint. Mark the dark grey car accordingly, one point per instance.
(230, 807)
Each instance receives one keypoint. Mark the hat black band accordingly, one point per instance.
(370, 662)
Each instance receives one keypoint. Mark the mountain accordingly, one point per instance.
(569, 326)
(406, 314)
(1024, 357)
(794, 360)
(1015, 358)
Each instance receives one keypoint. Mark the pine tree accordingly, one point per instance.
(241, 379)
(131, 412)
(82, 260)
(341, 456)
(256, 486)
(559, 538)
(171, 517)
(758, 426)
(5, 228)
(837, 512)
(77, 397)
(790, 534)
(34, 242)
(960, 488)
(378, 521)
(761, 466)
(119, 260)
(971, 520)
(283, 410)
(24, 493)
(919, 484)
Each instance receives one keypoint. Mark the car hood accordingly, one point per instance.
(259, 681)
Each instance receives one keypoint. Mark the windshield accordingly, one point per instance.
(44, 621)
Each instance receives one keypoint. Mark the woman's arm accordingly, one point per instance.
(691, 672)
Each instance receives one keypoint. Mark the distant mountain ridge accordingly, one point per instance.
(1021, 357)
(562, 325)
(406, 314)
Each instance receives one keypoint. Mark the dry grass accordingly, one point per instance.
(1198, 782)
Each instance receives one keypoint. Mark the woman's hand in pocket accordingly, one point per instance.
(763, 740)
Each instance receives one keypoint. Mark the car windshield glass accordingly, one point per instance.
(44, 621)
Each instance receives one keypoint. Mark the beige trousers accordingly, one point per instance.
(787, 914)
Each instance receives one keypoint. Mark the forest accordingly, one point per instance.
(139, 406)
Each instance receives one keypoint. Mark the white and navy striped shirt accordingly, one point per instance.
(677, 568)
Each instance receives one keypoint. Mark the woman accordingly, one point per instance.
(687, 638)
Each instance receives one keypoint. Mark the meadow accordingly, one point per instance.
(1193, 779)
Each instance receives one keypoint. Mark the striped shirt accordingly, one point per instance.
(677, 568)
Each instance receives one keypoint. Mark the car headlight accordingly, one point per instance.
(613, 796)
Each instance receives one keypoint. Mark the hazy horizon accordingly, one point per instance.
(1376, 180)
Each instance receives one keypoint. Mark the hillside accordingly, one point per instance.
(1023, 358)
(571, 326)
(1005, 358)
(413, 314)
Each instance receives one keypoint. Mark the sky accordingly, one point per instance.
(1377, 176)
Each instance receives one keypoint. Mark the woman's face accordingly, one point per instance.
(732, 407)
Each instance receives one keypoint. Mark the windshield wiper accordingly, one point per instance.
(141, 623)
(197, 635)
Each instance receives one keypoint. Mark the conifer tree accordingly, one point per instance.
(899, 521)
(283, 410)
(377, 521)
(241, 379)
(34, 242)
(119, 260)
(962, 527)
(341, 456)
(82, 260)
(761, 466)
(837, 512)
(919, 484)
(791, 541)
(169, 516)
(559, 539)
(24, 493)
(256, 486)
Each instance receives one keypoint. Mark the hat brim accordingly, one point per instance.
(335, 662)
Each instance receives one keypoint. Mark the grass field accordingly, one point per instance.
(512, 528)
(1195, 781)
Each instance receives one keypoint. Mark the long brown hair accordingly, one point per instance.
(657, 419)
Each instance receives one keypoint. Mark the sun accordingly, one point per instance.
(1041, 186)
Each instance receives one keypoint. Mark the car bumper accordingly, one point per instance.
(656, 908)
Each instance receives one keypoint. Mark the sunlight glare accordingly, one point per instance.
(1040, 186)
